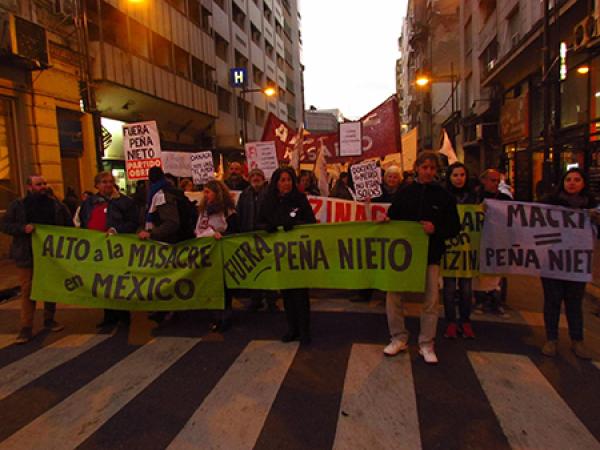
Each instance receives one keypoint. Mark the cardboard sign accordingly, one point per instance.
(177, 163)
(367, 180)
(263, 156)
(141, 145)
(351, 139)
(203, 168)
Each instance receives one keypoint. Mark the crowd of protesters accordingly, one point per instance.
(159, 210)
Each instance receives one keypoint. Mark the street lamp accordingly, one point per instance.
(422, 80)
(269, 91)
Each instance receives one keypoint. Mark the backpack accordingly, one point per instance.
(188, 214)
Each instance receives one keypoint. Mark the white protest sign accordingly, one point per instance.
(203, 168)
(177, 163)
(367, 180)
(538, 240)
(263, 156)
(351, 139)
(141, 145)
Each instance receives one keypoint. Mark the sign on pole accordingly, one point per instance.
(351, 139)
(141, 144)
(177, 163)
(263, 156)
(367, 180)
(238, 77)
(203, 168)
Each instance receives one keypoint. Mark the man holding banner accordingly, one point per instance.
(432, 206)
(38, 207)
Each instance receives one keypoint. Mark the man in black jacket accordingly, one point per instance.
(38, 207)
(428, 203)
(110, 212)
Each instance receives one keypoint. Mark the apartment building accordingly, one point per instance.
(264, 37)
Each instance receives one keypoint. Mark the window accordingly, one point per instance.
(267, 12)
(488, 58)
(238, 16)
(240, 60)
(205, 22)
(194, 11)
(93, 19)
(468, 36)
(221, 47)
(209, 78)
(257, 75)
(198, 73)
(255, 34)
(220, 4)
(161, 52)
(574, 99)
(280, 63)
(269, 50)
(114, 26)
(182, 62)
(246, 110)
(9, 188)
(259, 114)
(486, 9)
(178, 4)
(514, 27)
(139, 41)
(224, 100)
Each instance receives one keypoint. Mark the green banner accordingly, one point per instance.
(461, 259)
(386, 256)
(88, 268)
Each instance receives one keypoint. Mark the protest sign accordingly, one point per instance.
(461, 259)
(263, 156)
(85, 267)
(333, 210)
(535, 239)
(203, 167)
(141, 144)
(177, 163)
(367, 180)
(390, 256)
(350, 139)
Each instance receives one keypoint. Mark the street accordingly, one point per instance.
(182, 387)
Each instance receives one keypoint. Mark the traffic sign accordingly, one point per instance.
(238, 77)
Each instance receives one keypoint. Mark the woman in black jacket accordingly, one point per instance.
(457, 183)
(572, 192)
(430, 204)
(285, 206)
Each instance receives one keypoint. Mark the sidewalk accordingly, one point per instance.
(9, 278)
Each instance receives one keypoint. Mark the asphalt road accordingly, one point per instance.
(182, 387)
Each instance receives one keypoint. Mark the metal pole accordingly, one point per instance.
(546, 90)
(244, 125)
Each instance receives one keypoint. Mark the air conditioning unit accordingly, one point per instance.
(584, 32)
(24, 42)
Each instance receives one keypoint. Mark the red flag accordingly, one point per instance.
(381, 136)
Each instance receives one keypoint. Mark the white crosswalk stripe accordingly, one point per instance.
(233, 414)
(378, 409)
(72, 421)
(530, 411)
(25, 370)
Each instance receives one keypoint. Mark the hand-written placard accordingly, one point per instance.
(203, 168)
(263, 156)
(367, 180)
(535, 239)
(461, 259)
(141, 145)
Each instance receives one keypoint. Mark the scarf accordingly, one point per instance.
(574, 200)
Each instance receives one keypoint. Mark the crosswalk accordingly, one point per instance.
(380, 402)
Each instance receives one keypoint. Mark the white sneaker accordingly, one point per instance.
(428, 354)
(394, 347)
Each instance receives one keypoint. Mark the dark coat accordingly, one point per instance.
(248, 209)
(464, 197)
(122, 212)
(287, 211)
(428, 202)
(14, 222)
(556, 199)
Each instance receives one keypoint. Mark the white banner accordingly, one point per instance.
(141, 145)
(535, 239)
(177, 163)
(367, 180)
(203, 167)
(263, 156)
(327, 209)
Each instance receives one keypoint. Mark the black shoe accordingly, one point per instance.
(53, 325)
(289, 337)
